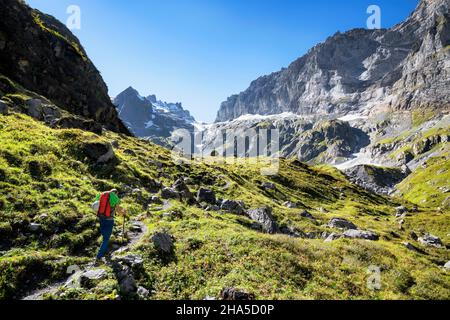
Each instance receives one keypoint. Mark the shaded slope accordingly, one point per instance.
(42, 55)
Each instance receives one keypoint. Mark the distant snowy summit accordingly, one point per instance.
(150, 118)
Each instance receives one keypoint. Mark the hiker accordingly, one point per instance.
(108, 204)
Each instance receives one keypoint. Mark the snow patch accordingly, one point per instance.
(360, 158)
(352, 117)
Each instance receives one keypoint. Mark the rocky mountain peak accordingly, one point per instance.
(148, 117)
(361, 71)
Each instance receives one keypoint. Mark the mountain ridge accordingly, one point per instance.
(150, 118)
(347, 72)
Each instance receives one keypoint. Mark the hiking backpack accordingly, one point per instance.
(104, 209)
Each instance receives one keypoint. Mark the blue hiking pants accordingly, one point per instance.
(106, 229)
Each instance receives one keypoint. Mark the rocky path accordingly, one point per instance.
(137, 232)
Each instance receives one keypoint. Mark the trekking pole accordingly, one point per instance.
(123, 228)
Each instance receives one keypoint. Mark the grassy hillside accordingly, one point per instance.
(49, 177)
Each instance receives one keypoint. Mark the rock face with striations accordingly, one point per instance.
(43, 56)
(404, 67)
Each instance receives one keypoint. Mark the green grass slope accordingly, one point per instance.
(48, 177)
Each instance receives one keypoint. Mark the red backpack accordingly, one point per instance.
(104, 209)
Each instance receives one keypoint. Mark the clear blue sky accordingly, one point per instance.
(199, 52)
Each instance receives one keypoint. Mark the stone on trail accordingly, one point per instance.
(89, 278)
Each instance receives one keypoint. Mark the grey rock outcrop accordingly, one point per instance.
(361, 234)
(431, 240)
(447, 265)
(332, 237)
(89, 278)
(343, 224)
(99, 152)
(232, 206)
(3, 108)
(403, 67)
(169, 193)
(380, 180)
(206, 195)
(265, 218)
(163, 242)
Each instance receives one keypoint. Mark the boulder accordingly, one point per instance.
(332, 237)
(206, 195)
(291, 231)
(361, 234)
(381, 180)
(35, 227)
(289, 204)
(447, 265)
(181, 187)
(264, 217)
(413, 236)
(235, 294)
(169, 193)
(163, 242)
(125, 277)
(232, 206)
(431, 240)
(132, 260)
(268, 186)
(341, 224)
(99, 152)
(142, 293)
(3, 108)
(89, 278)
(306, 214)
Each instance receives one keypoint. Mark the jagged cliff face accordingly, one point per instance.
(42, 55)
(361, 70)
(151, 118)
